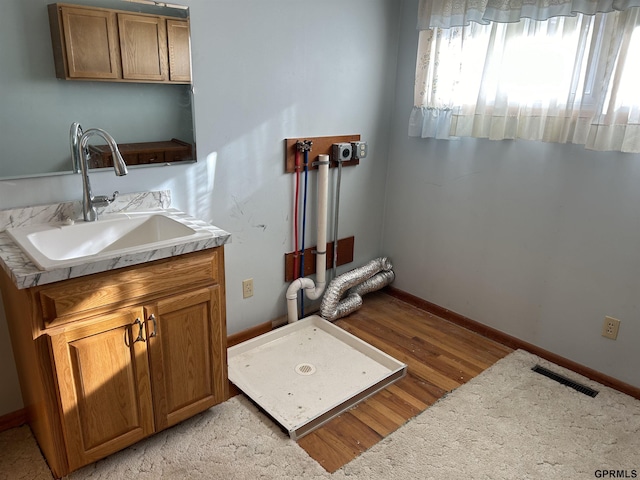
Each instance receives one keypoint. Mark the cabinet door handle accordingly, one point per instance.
(152, 317)
(127, 336)
(140, 337)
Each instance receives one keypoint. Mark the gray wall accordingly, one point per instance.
(540, 241)
(263, 72)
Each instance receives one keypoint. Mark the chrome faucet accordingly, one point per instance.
(80, 158)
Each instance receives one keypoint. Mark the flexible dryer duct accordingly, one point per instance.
(357, 282)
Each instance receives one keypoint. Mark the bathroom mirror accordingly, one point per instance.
(37, 109)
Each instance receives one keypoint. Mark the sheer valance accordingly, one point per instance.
(568, 79)
(457, 13)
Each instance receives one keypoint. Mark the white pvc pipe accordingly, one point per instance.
(311, 289)
(321, 245)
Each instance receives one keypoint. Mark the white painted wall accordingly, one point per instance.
(540, 241)
(263, 71)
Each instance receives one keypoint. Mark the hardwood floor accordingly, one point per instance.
(440, 357)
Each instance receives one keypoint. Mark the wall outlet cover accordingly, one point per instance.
(247, 288)
(610, 328)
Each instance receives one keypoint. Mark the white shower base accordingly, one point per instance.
(307, 372)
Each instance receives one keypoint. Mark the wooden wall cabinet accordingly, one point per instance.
(113, 45)
(143, 47)
(143, 153)
(86, 43)
(179, 42)
(109, 359)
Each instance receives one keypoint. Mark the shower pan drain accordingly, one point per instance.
(305, 369)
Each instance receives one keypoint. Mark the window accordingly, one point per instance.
(568, 79)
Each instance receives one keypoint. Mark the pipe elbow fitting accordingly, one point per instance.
(292, 290)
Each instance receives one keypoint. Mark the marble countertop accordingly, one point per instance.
(24, 273)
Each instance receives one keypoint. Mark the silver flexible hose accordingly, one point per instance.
(359, 281)
(374, 283)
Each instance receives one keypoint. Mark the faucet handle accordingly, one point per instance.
(103, 200)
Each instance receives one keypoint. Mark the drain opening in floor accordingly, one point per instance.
(565, 381)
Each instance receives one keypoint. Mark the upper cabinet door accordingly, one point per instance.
(119, 46)
(143, 47)
(179, 50)
(91, 45)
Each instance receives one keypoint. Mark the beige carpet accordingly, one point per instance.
(507, 423)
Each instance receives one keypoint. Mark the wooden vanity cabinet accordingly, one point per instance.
(111, 358)
(104, 44)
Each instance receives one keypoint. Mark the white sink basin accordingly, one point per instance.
(52, 246)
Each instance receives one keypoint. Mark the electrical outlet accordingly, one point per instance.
(360, 150)
(341, 152)
(610, 328)
(247, 288)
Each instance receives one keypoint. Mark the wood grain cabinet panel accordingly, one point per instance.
(187, 383)
(105, 389)
(174, 150)
(143, 47)
(108, 359)
(87, 43)
(78, 298)
(92, 43)
(178, 41)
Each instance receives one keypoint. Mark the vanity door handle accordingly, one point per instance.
(127, 336)
(152, 317)
(140, 337)
(128, 333)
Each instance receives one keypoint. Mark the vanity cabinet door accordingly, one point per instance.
(104, 385)
(179, 50)
(89, 47)
(143, 47)
(187, 354)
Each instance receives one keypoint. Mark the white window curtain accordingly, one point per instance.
(572, 78)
